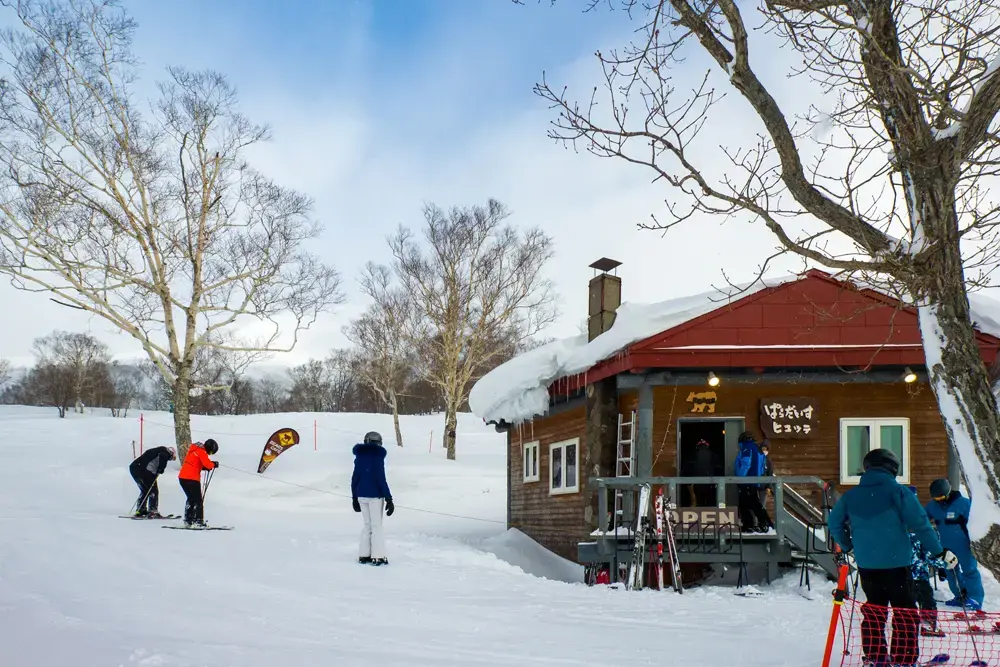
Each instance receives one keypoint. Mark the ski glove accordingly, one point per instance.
(950, 559)
(215, 464)
(389, 507)
(356, 504)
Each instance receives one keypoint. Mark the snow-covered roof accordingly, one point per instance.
(518, 389)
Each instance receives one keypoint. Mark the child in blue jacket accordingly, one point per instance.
(949, 510)
(369, 495)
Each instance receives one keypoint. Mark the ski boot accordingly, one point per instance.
(380, 561)
(365, 560)
(153, 514)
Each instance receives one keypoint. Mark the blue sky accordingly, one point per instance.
(378, 106)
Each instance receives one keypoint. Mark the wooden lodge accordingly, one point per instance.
(823, 369)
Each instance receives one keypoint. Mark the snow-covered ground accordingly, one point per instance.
(80, 587)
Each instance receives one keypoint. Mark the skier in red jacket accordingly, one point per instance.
(190, 479)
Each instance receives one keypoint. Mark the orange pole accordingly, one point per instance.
(315, 444)
(142, 423)
(838, 601)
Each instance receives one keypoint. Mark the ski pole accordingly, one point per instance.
(142, 501)
(208, 480)
(963, 595)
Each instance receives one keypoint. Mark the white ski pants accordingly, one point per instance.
(372, 540)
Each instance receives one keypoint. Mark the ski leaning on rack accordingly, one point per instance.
(663, 510)
(635, 569)
(658, 512)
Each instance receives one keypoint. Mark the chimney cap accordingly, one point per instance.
(604, 264)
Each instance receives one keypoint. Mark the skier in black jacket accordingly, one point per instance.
(145, 469)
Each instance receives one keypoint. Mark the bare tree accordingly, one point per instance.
(81, 360)
(380, 338)
(310, 390)
(477, 281)
(6, 372)
(896, 172)
(127, 388)
(151, 219)
(271, 395)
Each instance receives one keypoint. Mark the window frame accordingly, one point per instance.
(565, 489)
(874, 424)
(534, 445)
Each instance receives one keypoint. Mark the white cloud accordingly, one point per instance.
(371, 166)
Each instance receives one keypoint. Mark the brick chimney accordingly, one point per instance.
(605, 297)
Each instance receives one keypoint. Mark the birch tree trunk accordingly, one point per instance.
(395, 418)
(450, 426)
(962, 387)
(182, 412)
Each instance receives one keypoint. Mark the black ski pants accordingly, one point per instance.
(923, 595)
(753, 516)
(194, 508)
(149, 491)
(884, 588)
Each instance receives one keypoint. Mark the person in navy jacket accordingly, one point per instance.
(949, 510)
(370, 494)
(874, 520)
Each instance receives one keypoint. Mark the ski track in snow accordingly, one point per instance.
(80, 587)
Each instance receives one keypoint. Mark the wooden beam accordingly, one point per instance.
(644, 434)
(693, 378)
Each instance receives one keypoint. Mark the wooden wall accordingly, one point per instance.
(554, 521)
(820, 455)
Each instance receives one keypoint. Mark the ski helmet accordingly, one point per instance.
(173, 453)
(373, 438)
(940, 488)
(211, 446)
(746, 436)
(882, 458)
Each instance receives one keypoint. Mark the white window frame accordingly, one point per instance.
(874, 425)
(566, 487)
(535, 447)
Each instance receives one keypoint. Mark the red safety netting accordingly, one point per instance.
(866, 634)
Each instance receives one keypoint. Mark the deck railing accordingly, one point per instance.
(796, 520)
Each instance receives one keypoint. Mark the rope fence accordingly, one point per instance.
(316, 428)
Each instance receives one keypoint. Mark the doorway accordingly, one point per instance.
(716, 459)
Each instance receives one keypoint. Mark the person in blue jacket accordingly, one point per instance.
(874, 520)
(949, 510)
(369, 495)
(750, 462)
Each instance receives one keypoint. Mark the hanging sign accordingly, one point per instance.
(785, 417)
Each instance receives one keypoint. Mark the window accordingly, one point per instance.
(564, 466)
(530, 459)
(860, 436)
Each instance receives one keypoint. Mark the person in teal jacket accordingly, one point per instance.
(874, 521)
(949, 510)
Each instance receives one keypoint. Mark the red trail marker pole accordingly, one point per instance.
(142, 425)
(838, 601)
(315, 438)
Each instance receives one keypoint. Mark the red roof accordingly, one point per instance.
(814, 322)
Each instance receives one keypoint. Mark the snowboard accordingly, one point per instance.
(195, 529)
(150, 518)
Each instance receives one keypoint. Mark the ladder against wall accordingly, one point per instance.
(624, 461)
